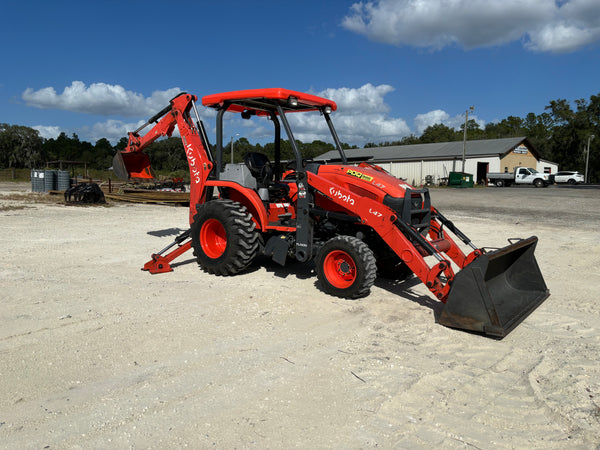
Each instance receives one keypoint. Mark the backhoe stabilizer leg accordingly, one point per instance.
(162, 264)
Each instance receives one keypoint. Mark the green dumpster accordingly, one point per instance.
(460, 179)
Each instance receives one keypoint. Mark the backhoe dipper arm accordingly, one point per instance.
(165, 124)
(136, 164)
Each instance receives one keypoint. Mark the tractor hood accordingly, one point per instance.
(366, 180)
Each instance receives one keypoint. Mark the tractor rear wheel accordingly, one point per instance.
(346, 267)
(224, 238)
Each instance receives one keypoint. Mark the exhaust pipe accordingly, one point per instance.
(497, 291)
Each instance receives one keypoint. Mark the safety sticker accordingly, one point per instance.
(360, 175)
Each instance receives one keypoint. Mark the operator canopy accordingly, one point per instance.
(263, 102)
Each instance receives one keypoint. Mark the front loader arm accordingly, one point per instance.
(397, 234)
(436, 231)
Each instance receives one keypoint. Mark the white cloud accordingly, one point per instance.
(107, 100)
(362, 116)
(113, 130)
(48, 132)
(561, 37)
(438, 116)
(543, 25)
(422, 121)
(365, 99)
(99, 98)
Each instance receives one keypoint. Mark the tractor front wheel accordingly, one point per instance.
(224, 238)
(346, 267)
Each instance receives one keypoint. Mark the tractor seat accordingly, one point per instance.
(261, 169)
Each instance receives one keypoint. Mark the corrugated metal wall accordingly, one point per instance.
(414, 172)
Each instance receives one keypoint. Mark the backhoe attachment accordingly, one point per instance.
(131, 165)
(496, 291)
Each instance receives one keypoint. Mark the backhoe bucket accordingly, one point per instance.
(497, 291)
(131, 165)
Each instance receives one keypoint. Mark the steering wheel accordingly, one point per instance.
(291, 165)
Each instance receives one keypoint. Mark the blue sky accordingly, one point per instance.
(100, 68)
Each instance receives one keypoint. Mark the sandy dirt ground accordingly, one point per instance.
(95, 353)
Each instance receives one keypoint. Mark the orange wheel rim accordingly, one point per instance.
(339, 269)
(213, 238)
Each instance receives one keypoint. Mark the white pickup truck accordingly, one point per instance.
(521, 175)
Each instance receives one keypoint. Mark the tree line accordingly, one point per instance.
(560, 134)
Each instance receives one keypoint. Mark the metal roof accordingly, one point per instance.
(438, 150)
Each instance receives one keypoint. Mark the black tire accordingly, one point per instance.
(572, 182)
(499, 183)
(224, 238)
(346, 267)
(538, 182)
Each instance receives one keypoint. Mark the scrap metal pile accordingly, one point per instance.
(85, 193)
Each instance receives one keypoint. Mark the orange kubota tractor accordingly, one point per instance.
(353, 221)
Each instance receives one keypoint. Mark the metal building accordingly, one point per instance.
(420, 162)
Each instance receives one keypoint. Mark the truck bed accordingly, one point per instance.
(501, 176)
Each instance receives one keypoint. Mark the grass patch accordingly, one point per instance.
(4, 208)
(16, 201)
(32, 198)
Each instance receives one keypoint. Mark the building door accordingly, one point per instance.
(482, 171)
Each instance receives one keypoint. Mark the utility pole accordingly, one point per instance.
(587, 157)
(471, 109)
(237, 134)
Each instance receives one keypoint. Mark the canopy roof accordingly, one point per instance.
(264, 101)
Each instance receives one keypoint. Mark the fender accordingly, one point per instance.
(248, 198)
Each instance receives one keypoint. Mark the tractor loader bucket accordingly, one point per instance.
(497, 291)
(128, 165)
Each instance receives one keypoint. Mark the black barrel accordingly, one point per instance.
(63, 180)
(49, 180)
(37, 180)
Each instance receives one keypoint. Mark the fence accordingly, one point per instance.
(15, 174)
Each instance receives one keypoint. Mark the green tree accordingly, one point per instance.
(20, 147)
(474, 131)
(103, 154)
(510, 127)
(438, 133)
(565, 143)
(122, 144)
(167, 154)
(408, 140)
(537, 130)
